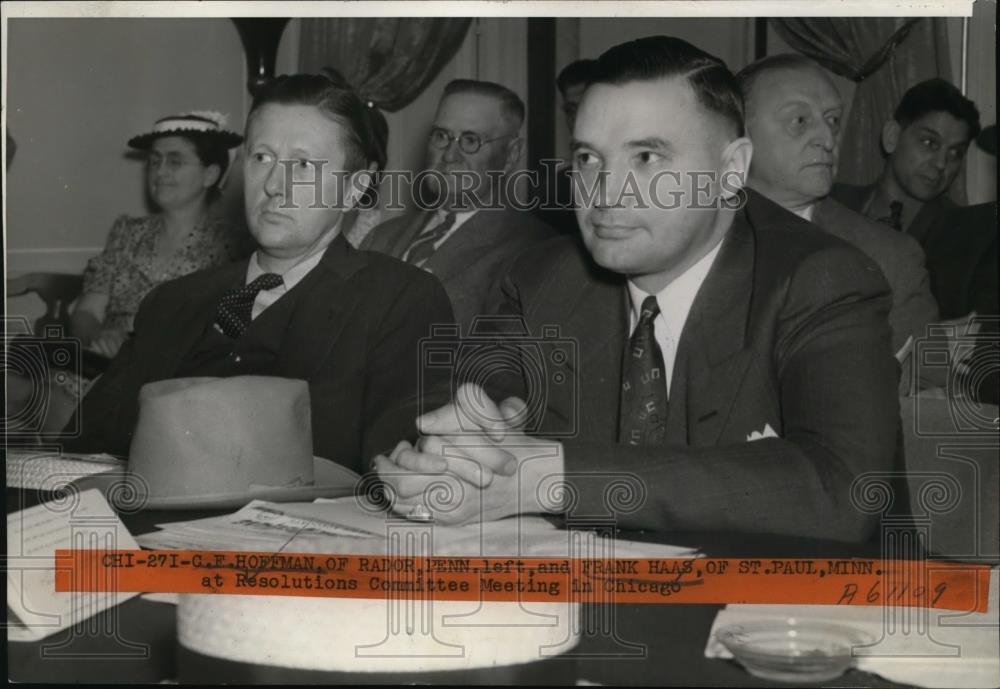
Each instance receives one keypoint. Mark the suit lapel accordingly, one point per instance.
(413, 226)
(929, 215)
(321, 311)
(712, 358)
(465, 244)
(828, 215)
(822, 213)
(596, 318)
(188, 323)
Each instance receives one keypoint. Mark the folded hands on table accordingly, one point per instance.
(473, 462)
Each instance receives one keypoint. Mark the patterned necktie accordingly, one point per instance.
(895, 217)
(236, 305)
(423, 246)
(643, 414)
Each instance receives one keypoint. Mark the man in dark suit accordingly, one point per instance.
(925, 144)
(793, 117)
(734, 365)
(468, 236)
(305, 305)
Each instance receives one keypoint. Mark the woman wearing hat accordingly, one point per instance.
(188, 156)
(187, 160)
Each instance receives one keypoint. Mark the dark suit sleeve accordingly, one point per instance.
(984, 292)
(836, 378)
(913, 305)
(107, 413)
(398, 387)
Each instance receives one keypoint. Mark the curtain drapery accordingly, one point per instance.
(389, 61)
(885, 57)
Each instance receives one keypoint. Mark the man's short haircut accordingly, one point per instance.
(658, 57)
(937, 95)
(511, 105)
(575, 74)
(367, 131)
(747, 77)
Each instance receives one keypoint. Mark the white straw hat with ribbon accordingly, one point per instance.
(205, 123)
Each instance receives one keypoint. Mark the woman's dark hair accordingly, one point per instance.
(657, 57)
(366, 128)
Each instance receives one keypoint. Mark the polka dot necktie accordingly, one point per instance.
(423, 246)
(236, 305)
(643, 411)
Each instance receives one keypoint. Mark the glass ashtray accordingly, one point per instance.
(791, 650)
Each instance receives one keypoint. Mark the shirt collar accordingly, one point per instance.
(676, 298)
(807, 212)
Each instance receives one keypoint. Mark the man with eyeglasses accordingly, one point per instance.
(305, 305)
(464, 230)
(725, 367)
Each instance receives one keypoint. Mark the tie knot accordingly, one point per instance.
(895, 217)
(424, 245)
(650, 309)
(266, 281)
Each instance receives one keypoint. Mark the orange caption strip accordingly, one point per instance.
(932, 584)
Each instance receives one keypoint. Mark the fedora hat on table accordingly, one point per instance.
(222, 442)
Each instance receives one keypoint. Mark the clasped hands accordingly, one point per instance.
(471, 463)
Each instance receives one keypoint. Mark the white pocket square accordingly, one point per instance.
(768, 432)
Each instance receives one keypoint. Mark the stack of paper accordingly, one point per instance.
(265, 526)
(84, 520)
(345, 526)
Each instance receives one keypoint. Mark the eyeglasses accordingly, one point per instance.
(468, 142)
(173, 161)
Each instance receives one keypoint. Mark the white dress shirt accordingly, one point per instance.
(291, 277)
(675, 302)
(806, 213)
(460, 219)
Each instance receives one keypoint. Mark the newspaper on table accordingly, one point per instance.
(351, 526)
(76, 520)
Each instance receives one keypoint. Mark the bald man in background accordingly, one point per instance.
(794, 117)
